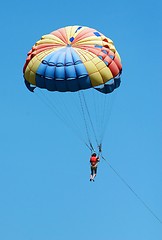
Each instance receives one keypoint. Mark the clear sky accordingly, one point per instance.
(45, 192)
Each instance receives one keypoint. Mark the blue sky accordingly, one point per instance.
(44, 168)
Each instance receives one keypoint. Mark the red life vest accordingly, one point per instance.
(93, 160)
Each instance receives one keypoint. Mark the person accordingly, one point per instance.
(94, 160)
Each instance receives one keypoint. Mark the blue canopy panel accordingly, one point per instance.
(29, 86)
(110, 86)
(63, 71)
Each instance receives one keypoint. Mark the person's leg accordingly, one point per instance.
(94, 172)
(91, 176)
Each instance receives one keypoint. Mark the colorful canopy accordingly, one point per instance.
(71, 59)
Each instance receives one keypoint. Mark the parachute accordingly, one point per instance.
(75, 59)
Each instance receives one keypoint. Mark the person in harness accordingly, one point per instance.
(94, 160)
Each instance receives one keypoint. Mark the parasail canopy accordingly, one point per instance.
(72, 59)
(67, 61)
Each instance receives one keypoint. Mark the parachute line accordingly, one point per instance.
(85, 122)
(107, 112)
(46, 100)
(91, 123)
(133, 191)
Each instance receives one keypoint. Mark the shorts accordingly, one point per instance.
(93, 170)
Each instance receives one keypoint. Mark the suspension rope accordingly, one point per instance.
(109, 104)
(56, 111)
(90, 118)
(96, 105)
(105, 115)
(133, 191)
(85, 122)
